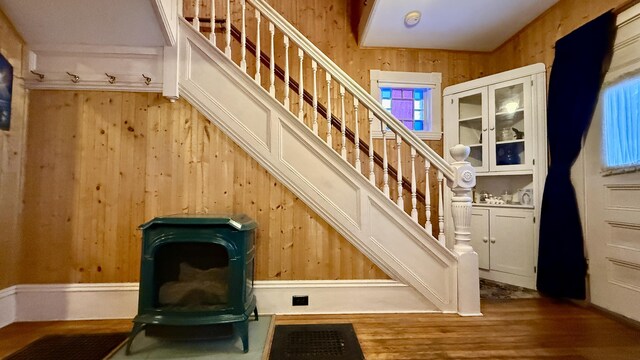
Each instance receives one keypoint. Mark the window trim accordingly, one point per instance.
(433, 81)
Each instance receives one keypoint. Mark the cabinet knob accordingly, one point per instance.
(485, 240)
(492, 128)
(493, 240)
(485, 129)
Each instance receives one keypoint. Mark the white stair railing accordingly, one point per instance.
(342, 89)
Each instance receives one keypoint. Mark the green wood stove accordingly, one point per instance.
(196, 272)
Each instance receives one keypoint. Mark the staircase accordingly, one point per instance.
(335, 177)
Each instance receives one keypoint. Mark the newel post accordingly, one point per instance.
(468, 273)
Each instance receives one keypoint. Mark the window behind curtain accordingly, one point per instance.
(621, 126)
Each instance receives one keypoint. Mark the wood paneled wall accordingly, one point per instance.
(101, 163)
(536, 42)
(12, 154)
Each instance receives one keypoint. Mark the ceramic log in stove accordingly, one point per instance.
(196, 271)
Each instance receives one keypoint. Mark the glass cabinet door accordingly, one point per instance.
(471, 114)
(509, 113)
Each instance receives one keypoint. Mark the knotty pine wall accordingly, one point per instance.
(536, 42)
(102, 163)
(12, 155)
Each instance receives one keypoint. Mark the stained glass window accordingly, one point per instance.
(407, 105)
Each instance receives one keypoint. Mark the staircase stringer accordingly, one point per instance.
(314, 172)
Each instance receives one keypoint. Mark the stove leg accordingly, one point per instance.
(137, 328)
(242, 328)
(255, 312)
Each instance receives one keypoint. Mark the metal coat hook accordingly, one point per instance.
(112, 79)
(147, 80)
(74, 78)
(39, 75)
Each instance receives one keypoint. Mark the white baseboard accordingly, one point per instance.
(119, 300)
(76, 301)
(7, 306)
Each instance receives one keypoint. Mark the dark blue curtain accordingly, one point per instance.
(581, 60)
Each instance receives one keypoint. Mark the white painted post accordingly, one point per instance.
(227, 49)
(414, 190)
(343, 125)
(329, 138)
(468, 273)
(314, 68)
(372, 174)
(272, 64)
(400, 200)
(286, 72)
(301, 87)
(441, 237)
(243, 38)
(212, 34)
(427, 197)
(357, 135)
(196, 16)
(385, 161)
(258, 19)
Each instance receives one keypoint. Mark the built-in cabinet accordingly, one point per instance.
(502, 119)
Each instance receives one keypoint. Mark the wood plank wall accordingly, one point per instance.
(12, 155)
(101, 163)
(535, 43)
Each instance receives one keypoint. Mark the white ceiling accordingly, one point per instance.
(86, 22)
(470, 25)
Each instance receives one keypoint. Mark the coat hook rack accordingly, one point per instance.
(74, 78)
(39, 75)
(147, 79)
(112, 79)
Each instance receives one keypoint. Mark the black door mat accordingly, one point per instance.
(70, 347)
(315, 342)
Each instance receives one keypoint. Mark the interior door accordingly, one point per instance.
(511, 241)
(612, 205)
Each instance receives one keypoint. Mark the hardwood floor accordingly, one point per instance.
(513, 329)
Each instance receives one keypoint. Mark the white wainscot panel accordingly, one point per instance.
(316, 172)
(624, 273)
(222, 91)
(405, 248)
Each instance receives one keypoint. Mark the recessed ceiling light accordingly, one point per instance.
(412, 18)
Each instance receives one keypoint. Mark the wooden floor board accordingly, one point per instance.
(514, 329)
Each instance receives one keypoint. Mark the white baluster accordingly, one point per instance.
(272, 64)
(372, 174)
(258, 19)
(243, 38)
(357, 135)
(329, 138)
(301, 87)
(196, 16)
(427, 197)
(314, 67)
(414, 196)
(385, 162)
(227, 49)
(441, 238)
(343, 127)
(212, 34)
(286, 72)
(399, 172)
